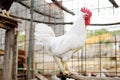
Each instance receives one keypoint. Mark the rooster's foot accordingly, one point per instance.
(66, 72)
(5, 13)
(70, 73)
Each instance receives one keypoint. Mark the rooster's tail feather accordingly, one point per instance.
(43, 33)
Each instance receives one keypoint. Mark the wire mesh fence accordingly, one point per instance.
(101, 53)
(101, 56)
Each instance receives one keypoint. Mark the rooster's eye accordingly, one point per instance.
(86, 15)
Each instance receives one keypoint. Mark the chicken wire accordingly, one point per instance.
(38, 60)
(102, 56)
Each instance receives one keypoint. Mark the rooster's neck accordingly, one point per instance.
(78, 26)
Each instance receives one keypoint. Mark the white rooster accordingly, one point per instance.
(62, 47)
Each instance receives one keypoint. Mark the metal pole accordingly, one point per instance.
(98, 7)
(116, 54)
(100, 46)
(82, 62)
(85, 59)
(30, 41)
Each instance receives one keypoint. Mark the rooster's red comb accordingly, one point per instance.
(87, 11)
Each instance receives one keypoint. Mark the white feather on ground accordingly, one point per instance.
(102, 73)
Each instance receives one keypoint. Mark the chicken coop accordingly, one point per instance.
(28, 57)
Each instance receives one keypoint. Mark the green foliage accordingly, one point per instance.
(100, 32)
(96, 33)
(103, 31)
(21, 37)
(116, 32)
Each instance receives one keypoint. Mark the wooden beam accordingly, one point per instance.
(79, 77)
(21, 56)
(7, 22)
(113, 2)
(40, 77)
(1, 52)
(9, 19)
(4, 26)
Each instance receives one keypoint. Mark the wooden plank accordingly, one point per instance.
(4, 26)
(21, 57)
(8, 18)
(1, 52)
(40, 77)
(21, 52)
(8, 22)
(79, 77)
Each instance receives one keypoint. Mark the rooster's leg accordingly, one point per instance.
(65, 66)
(67, 69)
(58, 62)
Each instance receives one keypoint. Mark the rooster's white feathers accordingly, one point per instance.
(63, 46)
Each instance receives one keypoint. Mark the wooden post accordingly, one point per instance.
(10, 56)
(15, 57)
(7, 67)
(10, 51)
